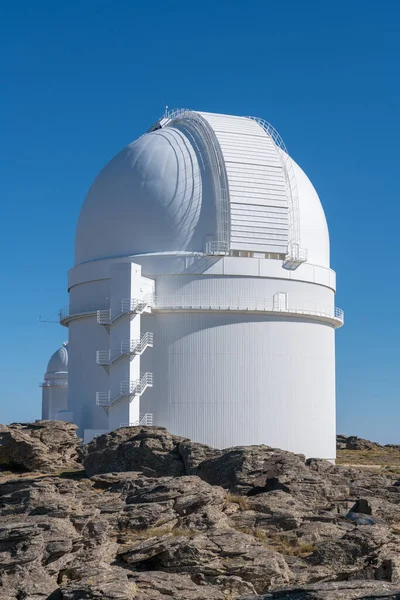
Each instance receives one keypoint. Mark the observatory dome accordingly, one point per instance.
(147, 199)
(202, 298)
(58, 363)
(157, 194)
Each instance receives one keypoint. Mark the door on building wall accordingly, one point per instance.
(280, 301)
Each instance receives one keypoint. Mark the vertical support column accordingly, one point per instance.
(125, 288)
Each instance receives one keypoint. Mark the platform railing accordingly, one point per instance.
(128, 347)
(128, 306)
(66, 312)
(127, 388)
(240, 303)
(244, 303)
(53, 383)
(217, 248)
(146, 419)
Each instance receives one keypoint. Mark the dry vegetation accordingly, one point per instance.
(279, 543)
(241, 501)
(381, 457)
(130, 535)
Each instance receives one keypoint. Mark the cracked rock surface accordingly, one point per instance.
(158, 517)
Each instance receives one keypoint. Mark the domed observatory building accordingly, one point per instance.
(55, 385)
(202, 298)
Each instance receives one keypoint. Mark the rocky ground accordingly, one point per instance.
(140, 514)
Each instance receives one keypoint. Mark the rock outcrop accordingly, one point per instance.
(352, 442)
(151, 450)
(158, 517)
(45, 446)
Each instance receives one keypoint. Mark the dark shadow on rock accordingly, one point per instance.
(271, 485)
(362, 506)
(56, 595)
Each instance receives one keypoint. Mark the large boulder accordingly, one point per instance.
(152, 451)
(46, 446)
(254, 469)
(352, 442)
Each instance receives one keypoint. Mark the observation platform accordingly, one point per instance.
(292, 308)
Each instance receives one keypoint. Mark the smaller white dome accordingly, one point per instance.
(58, 363)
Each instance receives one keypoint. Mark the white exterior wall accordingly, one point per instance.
(221, 377)
(86, 377)
(54, 399)
(226, 289)
(87, 336)
(125, 284)
(232, 379)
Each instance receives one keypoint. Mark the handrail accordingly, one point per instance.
(128, 306)
(245, 304)
(248, 304)
(53, 383)
(128, 347)
(66, 311)
(102, 309)
(291, 183)
(127, 388)
(146, 419)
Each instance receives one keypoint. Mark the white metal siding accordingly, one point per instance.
(223, 378)
(257, 188)
(229, 380)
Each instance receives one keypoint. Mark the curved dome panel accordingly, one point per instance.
(58, 363)
(314, 232)
(158, 195)
(147, 199)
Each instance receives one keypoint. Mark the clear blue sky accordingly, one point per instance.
(80, 80)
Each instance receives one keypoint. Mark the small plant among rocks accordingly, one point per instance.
(280, 543)
(241, 501)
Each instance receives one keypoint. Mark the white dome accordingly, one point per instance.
(159, 194)
(58, 363)
(314, 232)
(147, 199)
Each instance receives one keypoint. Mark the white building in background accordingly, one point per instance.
(55, 385)
(202, 297)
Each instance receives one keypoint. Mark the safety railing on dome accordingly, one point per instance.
(294, 216)
(217, 248)
(53, 383)
(295, 255)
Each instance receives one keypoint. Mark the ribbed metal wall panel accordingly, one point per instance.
(224, 289)
(220, 377)
(229, 380)
(257, 187)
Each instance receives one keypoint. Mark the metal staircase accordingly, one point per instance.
(127, 389)
(146, 419)
(128, 307)
(128, 348)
